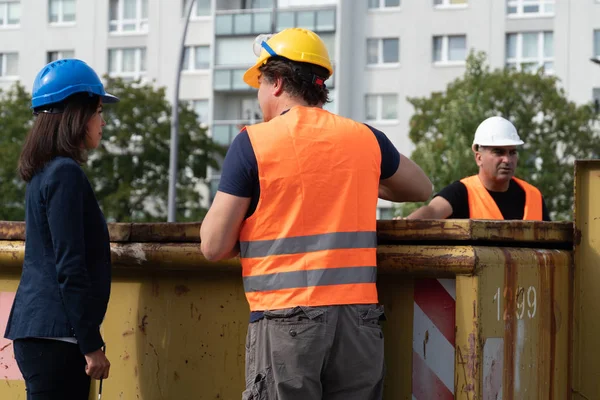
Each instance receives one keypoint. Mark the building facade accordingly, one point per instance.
(383, 50)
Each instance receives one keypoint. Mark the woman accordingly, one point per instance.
(65, 285)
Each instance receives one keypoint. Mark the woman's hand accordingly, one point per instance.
(97, 365)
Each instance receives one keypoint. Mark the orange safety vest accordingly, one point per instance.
(312, 239)
(483, 206)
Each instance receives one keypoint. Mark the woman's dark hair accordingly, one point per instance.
(300, 80)
(57, 134)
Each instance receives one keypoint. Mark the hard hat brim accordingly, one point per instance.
(252, 74)
(109, 99)
(500, 143)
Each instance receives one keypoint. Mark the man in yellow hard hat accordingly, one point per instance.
(297, 200)
(494, 193)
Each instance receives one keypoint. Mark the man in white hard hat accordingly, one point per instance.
(494, 193)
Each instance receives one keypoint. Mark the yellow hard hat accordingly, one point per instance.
(295, 44)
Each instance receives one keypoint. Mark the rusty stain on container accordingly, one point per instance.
(475, 230)
(472, 358)
(546, 273)
(181, 290)
(510, 326)
(570, 319)
(10, 230)
(155, 287)
(577, 237)
(395, 230)
(143, 324)
(467, 348)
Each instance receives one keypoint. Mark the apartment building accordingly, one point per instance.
(383, 50)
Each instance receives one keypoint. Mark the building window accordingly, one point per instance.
(375, 4)
(450, 3)
(261, 3)
(229, 79)
(596, 99)
(59, 55)
(196, 58)
(129, 63)
(200, 8)
(530, 51)
(9, 65)
(234, 51)
(383, 51)
(449, 49)
(243, 23)
(10, 13)
(223, 134)
(597, 43)
(529, 8)
(201, 109)
(381, 107)
(61, 11)
(385, 213)
(128, 16)
(318, 21)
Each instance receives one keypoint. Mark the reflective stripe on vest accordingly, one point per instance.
(483, 206)
(313, 277)
(305, 244)
(312, 239)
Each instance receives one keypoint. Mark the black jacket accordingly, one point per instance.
(65, 284)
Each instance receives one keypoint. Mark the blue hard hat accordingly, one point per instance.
(62, 78)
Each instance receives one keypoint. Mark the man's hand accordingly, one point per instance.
(97, 365)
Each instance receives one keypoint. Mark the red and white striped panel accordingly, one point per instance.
(434, 339)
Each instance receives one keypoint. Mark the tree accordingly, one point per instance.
(15, 120)
(130, 169)
(555, 130)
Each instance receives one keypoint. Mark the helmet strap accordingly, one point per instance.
(304, 71)
(55, 109)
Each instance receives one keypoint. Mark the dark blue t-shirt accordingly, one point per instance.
(239, 175)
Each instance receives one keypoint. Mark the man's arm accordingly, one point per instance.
(545, 212)
(401, 179)
(438, 208)
(409, 183)
(220, 229)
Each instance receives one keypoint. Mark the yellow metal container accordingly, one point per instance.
(176, 324)
(586, 324)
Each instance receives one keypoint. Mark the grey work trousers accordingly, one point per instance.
(316, 353)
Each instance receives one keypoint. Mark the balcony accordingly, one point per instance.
(243, 22)
(321, 20)
(254, 22)
(231, 5)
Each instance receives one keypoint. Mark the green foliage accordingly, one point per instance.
(130, 169)
(15, 120)
(555, 130)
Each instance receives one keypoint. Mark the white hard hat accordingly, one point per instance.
(497, 131)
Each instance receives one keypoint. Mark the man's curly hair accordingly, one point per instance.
(298, 79)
